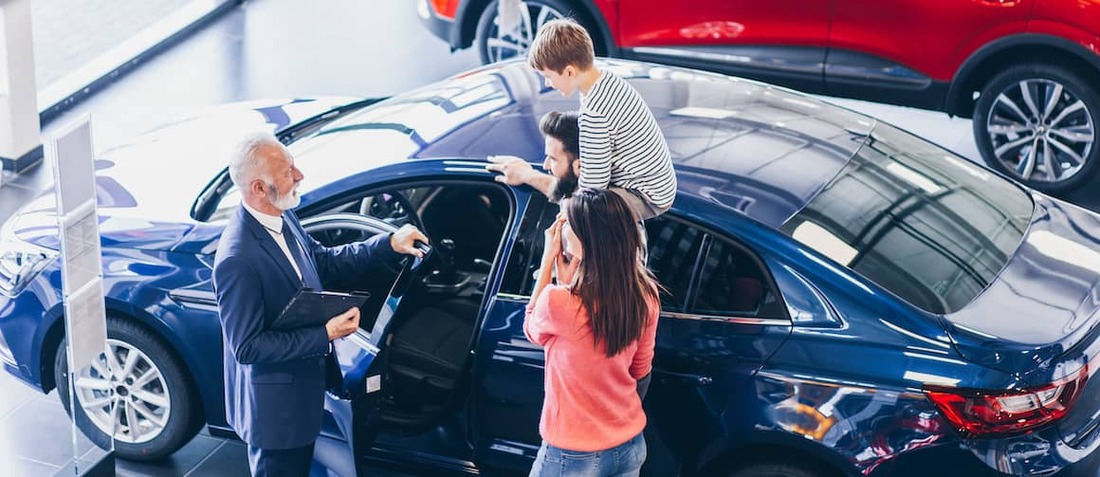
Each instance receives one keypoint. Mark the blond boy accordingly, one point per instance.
(621, 146)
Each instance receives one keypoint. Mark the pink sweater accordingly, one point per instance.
(591, 400)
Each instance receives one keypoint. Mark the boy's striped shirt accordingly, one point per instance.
(621, 144)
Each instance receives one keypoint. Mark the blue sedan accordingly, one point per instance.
(843, 298)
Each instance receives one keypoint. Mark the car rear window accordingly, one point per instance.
(916, 219)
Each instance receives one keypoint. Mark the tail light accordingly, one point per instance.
(445, 8)
(978, 413)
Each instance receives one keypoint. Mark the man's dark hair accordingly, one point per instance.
(565, 127)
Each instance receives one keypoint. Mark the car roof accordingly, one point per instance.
(762, 150)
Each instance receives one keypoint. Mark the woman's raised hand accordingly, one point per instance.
(552, 248)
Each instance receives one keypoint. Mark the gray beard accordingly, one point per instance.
(283, 202)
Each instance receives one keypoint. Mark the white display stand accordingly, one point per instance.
(73, 159)
(81, 261)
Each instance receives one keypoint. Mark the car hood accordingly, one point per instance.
(1044, 303)
(143, 198)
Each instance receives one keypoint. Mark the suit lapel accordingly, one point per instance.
(263, 238)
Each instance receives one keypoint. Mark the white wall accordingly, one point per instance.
(19, 128)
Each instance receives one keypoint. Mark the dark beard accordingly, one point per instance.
(564, 186)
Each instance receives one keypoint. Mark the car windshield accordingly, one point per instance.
(921, 222)
(381, 133)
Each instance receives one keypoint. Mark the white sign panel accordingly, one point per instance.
(85, 317)
(80, 247)
(81, 261)
(74, 168)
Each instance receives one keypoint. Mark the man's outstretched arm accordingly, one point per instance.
(515, 171)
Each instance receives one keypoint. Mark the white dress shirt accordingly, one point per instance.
(274, 226)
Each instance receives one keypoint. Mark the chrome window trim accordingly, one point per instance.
(513, 297)
(741, 320)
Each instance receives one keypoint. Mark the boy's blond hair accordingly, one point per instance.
(561, 43)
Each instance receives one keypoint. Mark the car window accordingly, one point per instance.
(673, 249)
(523, 263)
(917, 220)
(390, 130)
(228, 203)
(732, 283)
(465, 221)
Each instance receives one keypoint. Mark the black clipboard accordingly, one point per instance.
(311, 307)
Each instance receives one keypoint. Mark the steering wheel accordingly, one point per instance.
(392, 207)
(336, 236)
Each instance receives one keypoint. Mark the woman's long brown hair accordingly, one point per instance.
(612, 281)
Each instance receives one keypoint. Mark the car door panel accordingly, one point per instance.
(506, 395)
(714, 336)
(362, 362)
(354, 390)
(698, 365)
(724, 22)
(897, 33)
(509, 392)
(781, 41)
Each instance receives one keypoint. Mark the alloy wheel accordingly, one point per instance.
(1040, 131)
(124, 394)
(505, 45)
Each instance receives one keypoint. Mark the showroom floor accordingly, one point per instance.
(263, 49)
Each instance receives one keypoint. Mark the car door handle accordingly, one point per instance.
(669, 377)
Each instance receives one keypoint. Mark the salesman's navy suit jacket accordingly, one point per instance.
(275, 380)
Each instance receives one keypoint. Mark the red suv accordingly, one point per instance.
(1026, 71)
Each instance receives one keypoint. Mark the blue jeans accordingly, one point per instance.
(623, 460)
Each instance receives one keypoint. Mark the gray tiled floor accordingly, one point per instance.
(39, 416)
(36, 440)
(262, 49)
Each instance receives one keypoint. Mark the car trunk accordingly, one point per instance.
(1039, 318)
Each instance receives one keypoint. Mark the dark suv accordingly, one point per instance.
(1026, 71)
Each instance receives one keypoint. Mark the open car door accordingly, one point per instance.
(356, 386)
(355, 396)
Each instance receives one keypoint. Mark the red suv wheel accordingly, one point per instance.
(1038, 124)
(494, 45)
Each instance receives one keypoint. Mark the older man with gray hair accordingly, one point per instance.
(275, 379)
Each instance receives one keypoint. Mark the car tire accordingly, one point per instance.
(165, 405)
(1018, 139)
(512, 46)
(774, 469)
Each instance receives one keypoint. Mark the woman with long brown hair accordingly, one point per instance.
(598, 325)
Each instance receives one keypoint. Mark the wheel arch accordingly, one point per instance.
(993, 58)
(121, 310)
(467, 23)
(726, 455)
